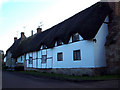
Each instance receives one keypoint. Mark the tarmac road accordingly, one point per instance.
(12, 80)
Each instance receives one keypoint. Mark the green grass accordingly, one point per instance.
(103, 77)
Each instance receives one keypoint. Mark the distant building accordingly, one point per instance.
(1, 58)
(10, 61)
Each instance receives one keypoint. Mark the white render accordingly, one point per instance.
(92, 53)
(99, 48)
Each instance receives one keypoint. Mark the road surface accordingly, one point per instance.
(12, 80)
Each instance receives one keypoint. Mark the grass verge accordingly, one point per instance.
(68, 77)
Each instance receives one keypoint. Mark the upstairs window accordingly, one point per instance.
(30, 60)
(24, 56)
(76, 55)
(44, 46)
(75, 37)
(59, 42)
(36, 55)
(21, 58)
(60, 56)
(44, 59)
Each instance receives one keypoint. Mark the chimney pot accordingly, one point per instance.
(15, 38)
(39, 30)
(22, 35)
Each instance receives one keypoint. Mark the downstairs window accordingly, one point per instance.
(76, 55)
(30, 60)
(60, 56)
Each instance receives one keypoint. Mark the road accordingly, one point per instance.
(12, 80)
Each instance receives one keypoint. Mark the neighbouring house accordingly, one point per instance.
(1, 58)
(75, 46)
(10, 61)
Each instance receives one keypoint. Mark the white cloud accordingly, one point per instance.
(4, 1)
(110, 0)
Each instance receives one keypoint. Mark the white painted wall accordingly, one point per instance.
(50, 58)
(5, 59)
(87, 55)
(27, 59)
(99, 48)
(19, 59)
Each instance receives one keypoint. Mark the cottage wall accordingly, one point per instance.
(92, 56)
(8, 59)
(87, 55)
(20, 59)
(99, 48)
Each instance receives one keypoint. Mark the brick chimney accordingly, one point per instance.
(15, 38)
(22, 35)
(39, 30)
(115, 6)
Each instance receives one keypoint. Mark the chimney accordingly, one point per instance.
(114, 5)
(39, 30)
(22, 35)
(32, 33)
(15, 38)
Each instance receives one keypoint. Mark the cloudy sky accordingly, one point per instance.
(25, 15)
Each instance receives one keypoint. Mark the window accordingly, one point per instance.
(76, 55)
(44, 58)
(21, 58)
(30, 60)
(75, 37)
(44, 46)
(36, 55)
(24, 56)
(60, 56)
(59, 42)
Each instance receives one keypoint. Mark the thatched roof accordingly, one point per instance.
(86, 23)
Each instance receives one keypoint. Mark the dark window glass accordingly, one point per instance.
(44, 46)
(36, 55)
(30, 60)
(59, 42)
(44, 58)
(76, 55)
(60, 56)
(21, 58)
(75, 37)
(24, 56)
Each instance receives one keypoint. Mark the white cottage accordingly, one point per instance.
(74, 46)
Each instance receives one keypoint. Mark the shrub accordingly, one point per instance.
(19, 68)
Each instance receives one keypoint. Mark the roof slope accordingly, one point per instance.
(86, 23)
(14, 46)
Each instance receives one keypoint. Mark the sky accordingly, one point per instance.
(18, 16)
